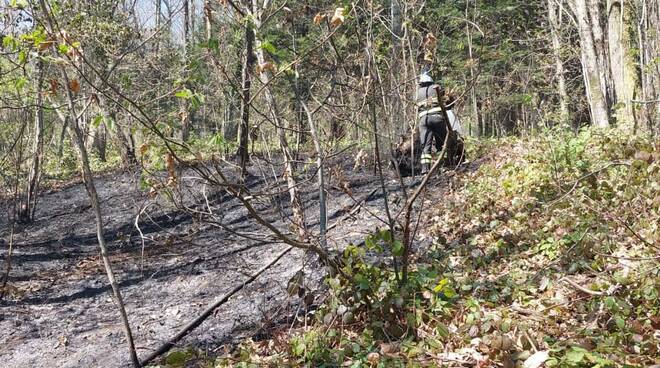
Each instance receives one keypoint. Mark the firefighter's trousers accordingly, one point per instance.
(432, 127)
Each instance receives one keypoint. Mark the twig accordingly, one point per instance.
(582, 288)
(209, 310)
(629, 258)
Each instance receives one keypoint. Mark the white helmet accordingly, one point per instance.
(425, 78)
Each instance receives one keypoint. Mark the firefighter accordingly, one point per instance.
(432, 123)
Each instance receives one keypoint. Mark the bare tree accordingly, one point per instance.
(88, 179)
(26, 211)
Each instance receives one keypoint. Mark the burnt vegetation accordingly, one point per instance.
(192, 183)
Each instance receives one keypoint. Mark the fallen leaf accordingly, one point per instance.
(389, 348)
(338, 17)
(373, 358)
(537, 359)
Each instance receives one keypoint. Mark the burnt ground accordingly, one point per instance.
(60, 311)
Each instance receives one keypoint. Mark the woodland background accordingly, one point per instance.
(560, 104)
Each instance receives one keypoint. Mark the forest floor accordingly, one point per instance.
(60, 312)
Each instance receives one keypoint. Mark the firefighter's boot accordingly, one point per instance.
(426, 160)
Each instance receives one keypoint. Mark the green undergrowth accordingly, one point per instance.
(546, 252)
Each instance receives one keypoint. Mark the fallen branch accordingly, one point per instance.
(582, 288)
(209, 310)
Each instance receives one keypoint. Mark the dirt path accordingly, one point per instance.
(61, 312)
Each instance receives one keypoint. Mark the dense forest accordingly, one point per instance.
(236, 183)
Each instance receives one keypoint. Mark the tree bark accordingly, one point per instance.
(396, 114)
(623, 73)
(246, 84)
(207, 19)
(601, 45)
(26, 212)
(186, 111)
(323, 216)
(592, 69)
(555, 20)
(649, 48)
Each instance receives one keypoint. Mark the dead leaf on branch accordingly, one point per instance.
(430, 41)
(429, 45)
(266, 66)
(171, 169)
(143, 149)
(74, 86)
(54, 84)
(318, 18)
(338, 17)
(45, 45)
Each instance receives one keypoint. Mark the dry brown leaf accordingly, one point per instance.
(373, 358)
(74, 86)
(54, 84)
(143, 149)
(45, 45)
(389, 348)
(429, 45)
(338, 17)
(266, 66)
(171, 168)
(318, 18)
(430, 41)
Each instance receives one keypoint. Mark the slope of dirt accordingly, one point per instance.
(60, 311)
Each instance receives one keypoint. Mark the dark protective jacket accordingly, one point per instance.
(427, 100)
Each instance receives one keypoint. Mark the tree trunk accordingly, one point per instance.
(473, 127)
(191, 15)
(649, 48)
(246, 84)
(207, 20)
(592, 69)
(185, 106)
(26, 212)
(60, 145)
(159, 16)
(323, 216)
(396, 113)
(623, 73)
(100, 141)
(555, 20)
(601, 46)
